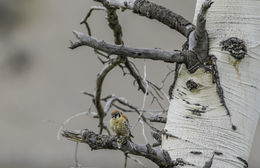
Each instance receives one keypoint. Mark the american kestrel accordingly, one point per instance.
(120, 124)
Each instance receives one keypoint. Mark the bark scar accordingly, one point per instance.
(235, 46)
(211, 65)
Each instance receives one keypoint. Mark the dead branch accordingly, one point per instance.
(123, 101)
(154, 11)
(157, 119)
(97, 142)
(84, 21)
(163, 15)
(154, 54)
(113, 23)
(99, 82)
(176, 74)
(198, 39)
(193, 57)
(135, 75)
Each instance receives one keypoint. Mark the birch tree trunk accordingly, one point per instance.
(203, 124)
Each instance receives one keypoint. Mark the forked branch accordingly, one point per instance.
(198, 39)
(193, 57)
(154, 54)
(97, 142)
(154, 11)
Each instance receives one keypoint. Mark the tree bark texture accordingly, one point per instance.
(217, 115)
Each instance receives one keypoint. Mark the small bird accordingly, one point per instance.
(120, 124)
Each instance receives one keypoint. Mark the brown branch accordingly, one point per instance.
(97, 142)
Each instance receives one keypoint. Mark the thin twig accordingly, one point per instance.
(165, 78)
(67, 121)
(76, 155)
(84, 21)
(143, 105)
(125, 165)
(176, 74)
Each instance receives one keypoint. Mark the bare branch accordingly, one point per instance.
(110, 102)
(144, 100)
(125, 165)
(126, 4)
(99, 82)
(135, 75)
(154, 54)
(97, 142)
(76, 155)
(90, 12)
(106, 99)
(157, 119)
(163, 15)
(192, 58)
(198, 39)
(84, 21)
(113, 23)
(124, 102)
(158, 137)
(165, 78)
(154, 11)
(176, 74)
(67, 121)
(117, 30)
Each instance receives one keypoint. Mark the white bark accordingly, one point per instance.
(211, 132)
(122, 3)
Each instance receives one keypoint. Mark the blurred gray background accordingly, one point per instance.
(41, 80)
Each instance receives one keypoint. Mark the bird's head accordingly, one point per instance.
(116, 114)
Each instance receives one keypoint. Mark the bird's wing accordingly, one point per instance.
(129, 127)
